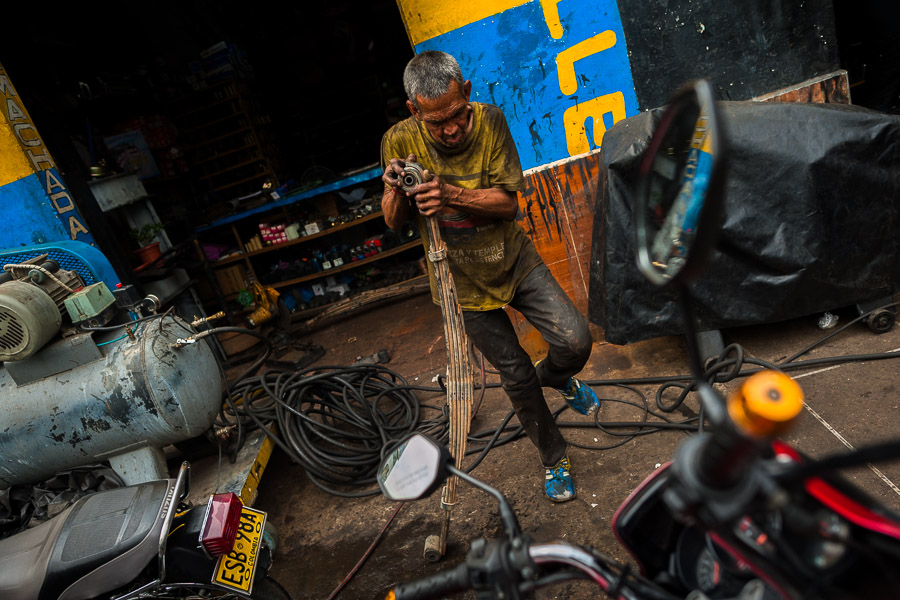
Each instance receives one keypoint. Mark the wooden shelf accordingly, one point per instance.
(299, 240)
(350, 265)
(359, 176)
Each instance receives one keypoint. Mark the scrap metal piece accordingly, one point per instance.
(413, 174)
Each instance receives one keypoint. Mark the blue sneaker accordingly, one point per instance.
(558, 483)
(580, 397)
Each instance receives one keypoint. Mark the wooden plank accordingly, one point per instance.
(579, 188)
(557, 213)
(833, 88)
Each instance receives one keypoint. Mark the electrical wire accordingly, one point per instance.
(822, 340)
(121, 325)
(133, 321)
(34, 267)
(113, 341)
(337, 421)
(366, 555)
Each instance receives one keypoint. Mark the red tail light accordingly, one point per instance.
(222, 519)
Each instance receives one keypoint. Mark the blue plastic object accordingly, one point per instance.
(82, 258)
(288, 200)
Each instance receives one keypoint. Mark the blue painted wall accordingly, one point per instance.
(515, 62)
(27, 216)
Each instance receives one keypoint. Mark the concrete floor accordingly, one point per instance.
(323, 536)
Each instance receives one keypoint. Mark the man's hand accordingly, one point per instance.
(432, 196)
(395, 203)
(436, 196)
(393, 172)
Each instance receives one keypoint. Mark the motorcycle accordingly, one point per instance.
(141, 542)
(737, 514)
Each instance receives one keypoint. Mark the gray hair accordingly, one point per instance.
(429, 75)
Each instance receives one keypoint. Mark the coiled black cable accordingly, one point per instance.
(338, 421)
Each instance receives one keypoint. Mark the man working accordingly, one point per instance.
(468, 152)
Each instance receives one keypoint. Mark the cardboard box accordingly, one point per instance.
(327, 205)
(230, 279)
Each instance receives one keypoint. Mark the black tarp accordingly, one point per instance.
(812, 208)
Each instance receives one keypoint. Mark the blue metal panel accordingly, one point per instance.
(26, 215)
(512, 60)
(85, 260)
(287, 200)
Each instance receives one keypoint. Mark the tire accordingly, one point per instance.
(881, 321)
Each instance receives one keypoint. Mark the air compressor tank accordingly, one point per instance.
(134, 393)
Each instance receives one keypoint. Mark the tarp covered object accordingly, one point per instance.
(811, 221)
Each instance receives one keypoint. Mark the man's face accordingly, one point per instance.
(448, 117)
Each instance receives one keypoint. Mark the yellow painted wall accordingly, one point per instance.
(425, 20)
(35, 204)
(17, 135)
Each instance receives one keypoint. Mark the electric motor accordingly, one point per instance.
(32, 298)
(28, 319)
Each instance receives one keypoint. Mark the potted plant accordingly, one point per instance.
(148, 251)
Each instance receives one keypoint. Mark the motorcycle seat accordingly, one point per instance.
(99, 544)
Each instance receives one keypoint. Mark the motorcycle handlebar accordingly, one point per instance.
(763, 407)
(558, 554)
(433, 586)
(561, 553)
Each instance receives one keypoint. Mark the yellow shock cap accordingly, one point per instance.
(766, 404)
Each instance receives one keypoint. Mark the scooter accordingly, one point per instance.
(737, 514)
(139, 542)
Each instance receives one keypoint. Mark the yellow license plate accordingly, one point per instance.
(235, 570)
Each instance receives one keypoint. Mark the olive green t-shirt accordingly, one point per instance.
(488, 257)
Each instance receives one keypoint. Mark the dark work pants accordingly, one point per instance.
(544, 304)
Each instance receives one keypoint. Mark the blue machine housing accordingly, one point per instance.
(80, 257)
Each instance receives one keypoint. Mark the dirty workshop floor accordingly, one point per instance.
(323, 536)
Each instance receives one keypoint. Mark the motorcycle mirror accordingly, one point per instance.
(679, 188)
(414, 469)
